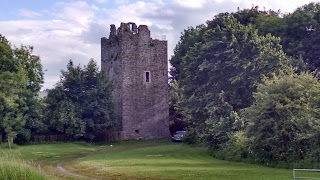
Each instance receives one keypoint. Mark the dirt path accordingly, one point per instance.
(60, 169)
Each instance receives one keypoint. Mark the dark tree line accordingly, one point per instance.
(245, 84)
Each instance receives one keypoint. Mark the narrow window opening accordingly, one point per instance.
(136, 131)
(147, 76)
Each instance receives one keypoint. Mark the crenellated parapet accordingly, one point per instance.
(129, 27)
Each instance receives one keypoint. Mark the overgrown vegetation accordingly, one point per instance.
(12, 168)
(283, 122)
(246, 84)
(20, 78)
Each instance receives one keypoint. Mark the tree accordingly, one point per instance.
(33, 116)
(62, 115)
(218, 68)
(187, 40)
(284, 121)
(20, 79)
(203, 56)
(302, 35)
(98, 113)
(81, 105)
(12, 118)
(220, 74)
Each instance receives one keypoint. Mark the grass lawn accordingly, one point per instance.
(139, 160)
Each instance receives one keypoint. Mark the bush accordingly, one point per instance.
(235, 149)
(284, 119)
(190, 137)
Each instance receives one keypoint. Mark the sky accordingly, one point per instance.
(60, 30)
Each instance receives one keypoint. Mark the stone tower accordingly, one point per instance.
(137, 65)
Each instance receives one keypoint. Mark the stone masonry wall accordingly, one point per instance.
(128, 55)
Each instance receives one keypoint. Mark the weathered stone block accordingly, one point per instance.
(137, 65)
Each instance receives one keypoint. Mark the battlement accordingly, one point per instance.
(128, 27)
(132, 28)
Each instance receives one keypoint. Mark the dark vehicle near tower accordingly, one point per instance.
(178, 136)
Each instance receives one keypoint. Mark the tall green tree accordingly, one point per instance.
(34, 71)
(20, 78)
(12, 119)
(98, 112)
(81, 105)
(221, 74)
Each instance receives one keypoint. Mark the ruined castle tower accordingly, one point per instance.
(137, 65)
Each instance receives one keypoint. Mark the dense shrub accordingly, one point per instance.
(284, 121)
(190, 137)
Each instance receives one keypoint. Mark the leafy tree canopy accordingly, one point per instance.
(220, 74)
(81, 105)
(20, 78)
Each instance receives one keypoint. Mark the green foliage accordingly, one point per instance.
(220, 74)
(190, 137)
(20, 78)
(217, 69)
(81, 105)
(284, 119)
(301, 37)
(222, 122)
(299, 31)
(188, 38)
(64, 118)
(175, 117)
(235, 149)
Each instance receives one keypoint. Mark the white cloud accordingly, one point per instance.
(285, 6)
(55, 41)
(77, 11)
(192, 4)
(58, 40)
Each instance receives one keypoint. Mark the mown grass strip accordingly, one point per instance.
(168, 161)
(142, 160)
